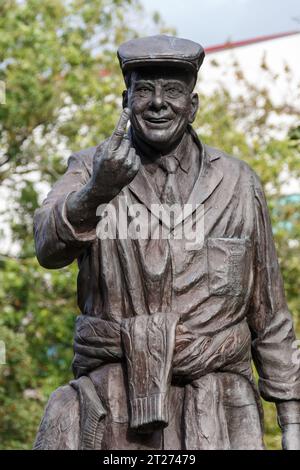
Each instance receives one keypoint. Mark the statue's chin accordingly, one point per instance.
(160, 139)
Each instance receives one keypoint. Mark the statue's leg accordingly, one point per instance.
(59, 428)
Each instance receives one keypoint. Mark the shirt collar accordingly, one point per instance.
(151, 165)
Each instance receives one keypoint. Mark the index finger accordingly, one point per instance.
(120, 129)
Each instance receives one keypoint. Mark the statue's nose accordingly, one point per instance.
(158, 99)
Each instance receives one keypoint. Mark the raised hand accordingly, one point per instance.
(114, 166)
(117, 163)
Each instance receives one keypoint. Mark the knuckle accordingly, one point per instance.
(118, 133)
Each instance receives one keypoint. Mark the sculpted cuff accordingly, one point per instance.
(64, 228)
(288, 412)
(149, 343)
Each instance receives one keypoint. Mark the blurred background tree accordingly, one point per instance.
(63, 93)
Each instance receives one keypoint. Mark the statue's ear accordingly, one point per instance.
(125, 99)
(194, 107)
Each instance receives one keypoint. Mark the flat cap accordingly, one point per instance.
(160, 50)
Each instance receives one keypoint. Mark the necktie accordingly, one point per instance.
(170, 194)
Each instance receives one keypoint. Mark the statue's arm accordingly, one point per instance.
(274, 342)
(57, 241)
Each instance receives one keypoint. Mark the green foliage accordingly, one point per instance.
(17, 379)
(63, 93)
(37, 322)
(59, 65)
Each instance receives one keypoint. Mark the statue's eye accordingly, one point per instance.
(173, 92)
(144, 91)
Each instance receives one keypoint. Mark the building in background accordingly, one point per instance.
(280, 54)
(278, 51)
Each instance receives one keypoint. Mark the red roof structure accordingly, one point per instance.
(247, 42)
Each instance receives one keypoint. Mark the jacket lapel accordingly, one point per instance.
(209, 178)
(142, 188)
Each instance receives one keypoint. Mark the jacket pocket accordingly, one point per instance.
(228, 265)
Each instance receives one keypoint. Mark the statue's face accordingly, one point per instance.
(162, 104)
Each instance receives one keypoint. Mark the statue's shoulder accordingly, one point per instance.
(230, 164)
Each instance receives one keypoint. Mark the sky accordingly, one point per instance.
(212, 22)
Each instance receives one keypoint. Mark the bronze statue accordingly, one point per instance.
(168, 327)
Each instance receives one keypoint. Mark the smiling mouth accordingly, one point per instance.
(158, 121)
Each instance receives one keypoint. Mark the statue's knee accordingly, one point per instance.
(59, 428)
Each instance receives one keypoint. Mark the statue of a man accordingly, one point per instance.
(168, 329)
